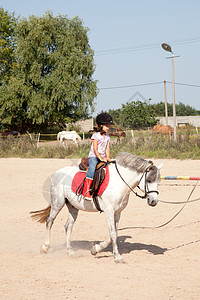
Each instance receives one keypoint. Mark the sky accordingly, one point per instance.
(126, 37)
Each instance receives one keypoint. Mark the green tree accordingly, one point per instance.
(52, 82)
(7, 44)
(181, 109)
(159, 109)
(137, 114)
(116, 115)
(185, 110)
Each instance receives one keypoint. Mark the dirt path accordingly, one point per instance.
(160, 264)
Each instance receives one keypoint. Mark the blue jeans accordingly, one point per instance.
(93, 161)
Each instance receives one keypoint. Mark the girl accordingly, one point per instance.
(100, 150)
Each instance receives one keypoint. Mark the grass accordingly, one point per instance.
(142, 144)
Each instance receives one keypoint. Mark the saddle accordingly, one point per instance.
(99, 175)
(99, 184)
(84, 164)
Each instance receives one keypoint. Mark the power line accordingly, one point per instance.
(126, 49)
(129, 86)
(146, 47)
(186, 84)
(145, 84)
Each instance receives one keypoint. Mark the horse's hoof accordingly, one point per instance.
(44, 249)
(119, 260)
(93, 250)
(70, 252)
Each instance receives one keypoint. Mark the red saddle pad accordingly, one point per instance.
(79, 177)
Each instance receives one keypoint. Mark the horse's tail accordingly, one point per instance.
(41, 215)
(58, 137)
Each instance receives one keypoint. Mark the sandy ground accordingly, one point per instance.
(160, 263)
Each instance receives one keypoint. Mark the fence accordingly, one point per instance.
(132, 134)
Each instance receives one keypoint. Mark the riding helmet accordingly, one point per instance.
(104, 118)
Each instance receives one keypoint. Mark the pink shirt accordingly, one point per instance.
(102, 141)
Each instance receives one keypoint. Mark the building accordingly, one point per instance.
(84, 125)
(181, 121)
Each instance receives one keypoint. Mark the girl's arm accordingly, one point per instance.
(95, 147)
(108, 152)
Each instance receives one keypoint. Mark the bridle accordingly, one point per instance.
(146, 188)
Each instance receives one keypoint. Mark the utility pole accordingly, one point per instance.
(174, 104)
(168, 48)
(166, 112)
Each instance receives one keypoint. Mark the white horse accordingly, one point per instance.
(128, 172)
(68, 135)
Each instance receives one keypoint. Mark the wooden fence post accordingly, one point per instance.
(132, 135)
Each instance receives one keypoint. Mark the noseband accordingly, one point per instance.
(146, 189)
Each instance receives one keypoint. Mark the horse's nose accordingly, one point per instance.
(152, 202)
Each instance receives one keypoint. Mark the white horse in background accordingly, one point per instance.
(128, 172)
(68, 135)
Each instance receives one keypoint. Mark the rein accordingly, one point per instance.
(146, 191)
(164, 224)
(179, 202)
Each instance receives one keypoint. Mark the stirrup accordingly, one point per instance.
(87, 198)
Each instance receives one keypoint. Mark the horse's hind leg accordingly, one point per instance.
(45, 247)
(50, 219)
(73, 213)
(57, 203)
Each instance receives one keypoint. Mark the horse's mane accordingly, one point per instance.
(138, 164)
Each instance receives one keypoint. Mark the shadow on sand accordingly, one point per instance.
(124, 247)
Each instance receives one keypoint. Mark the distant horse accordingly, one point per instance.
(68, 135)
(7, 133)
(116, 132)
(163, 129)
(133, 170)
(112, 132)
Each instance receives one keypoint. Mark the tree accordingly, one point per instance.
(181, 109)
(185, 110)
(7, 44)
(52, 82)
(137, 114)
(159, 109)
(116, 115)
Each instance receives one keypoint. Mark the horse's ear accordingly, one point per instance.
(160, 166)
(151, 167)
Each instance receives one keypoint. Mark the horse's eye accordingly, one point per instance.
(148, 179)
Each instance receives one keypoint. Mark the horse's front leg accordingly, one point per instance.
(113, 235)
(113, 238)
(73, 213)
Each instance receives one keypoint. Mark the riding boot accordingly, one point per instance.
(86, 188)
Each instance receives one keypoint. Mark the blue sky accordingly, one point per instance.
(126, 37)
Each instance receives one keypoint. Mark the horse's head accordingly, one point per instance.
(78, 137)
(123, 134)
(149, 184)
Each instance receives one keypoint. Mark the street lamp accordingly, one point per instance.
(168, 48)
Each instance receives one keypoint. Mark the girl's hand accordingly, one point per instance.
(104, 160)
